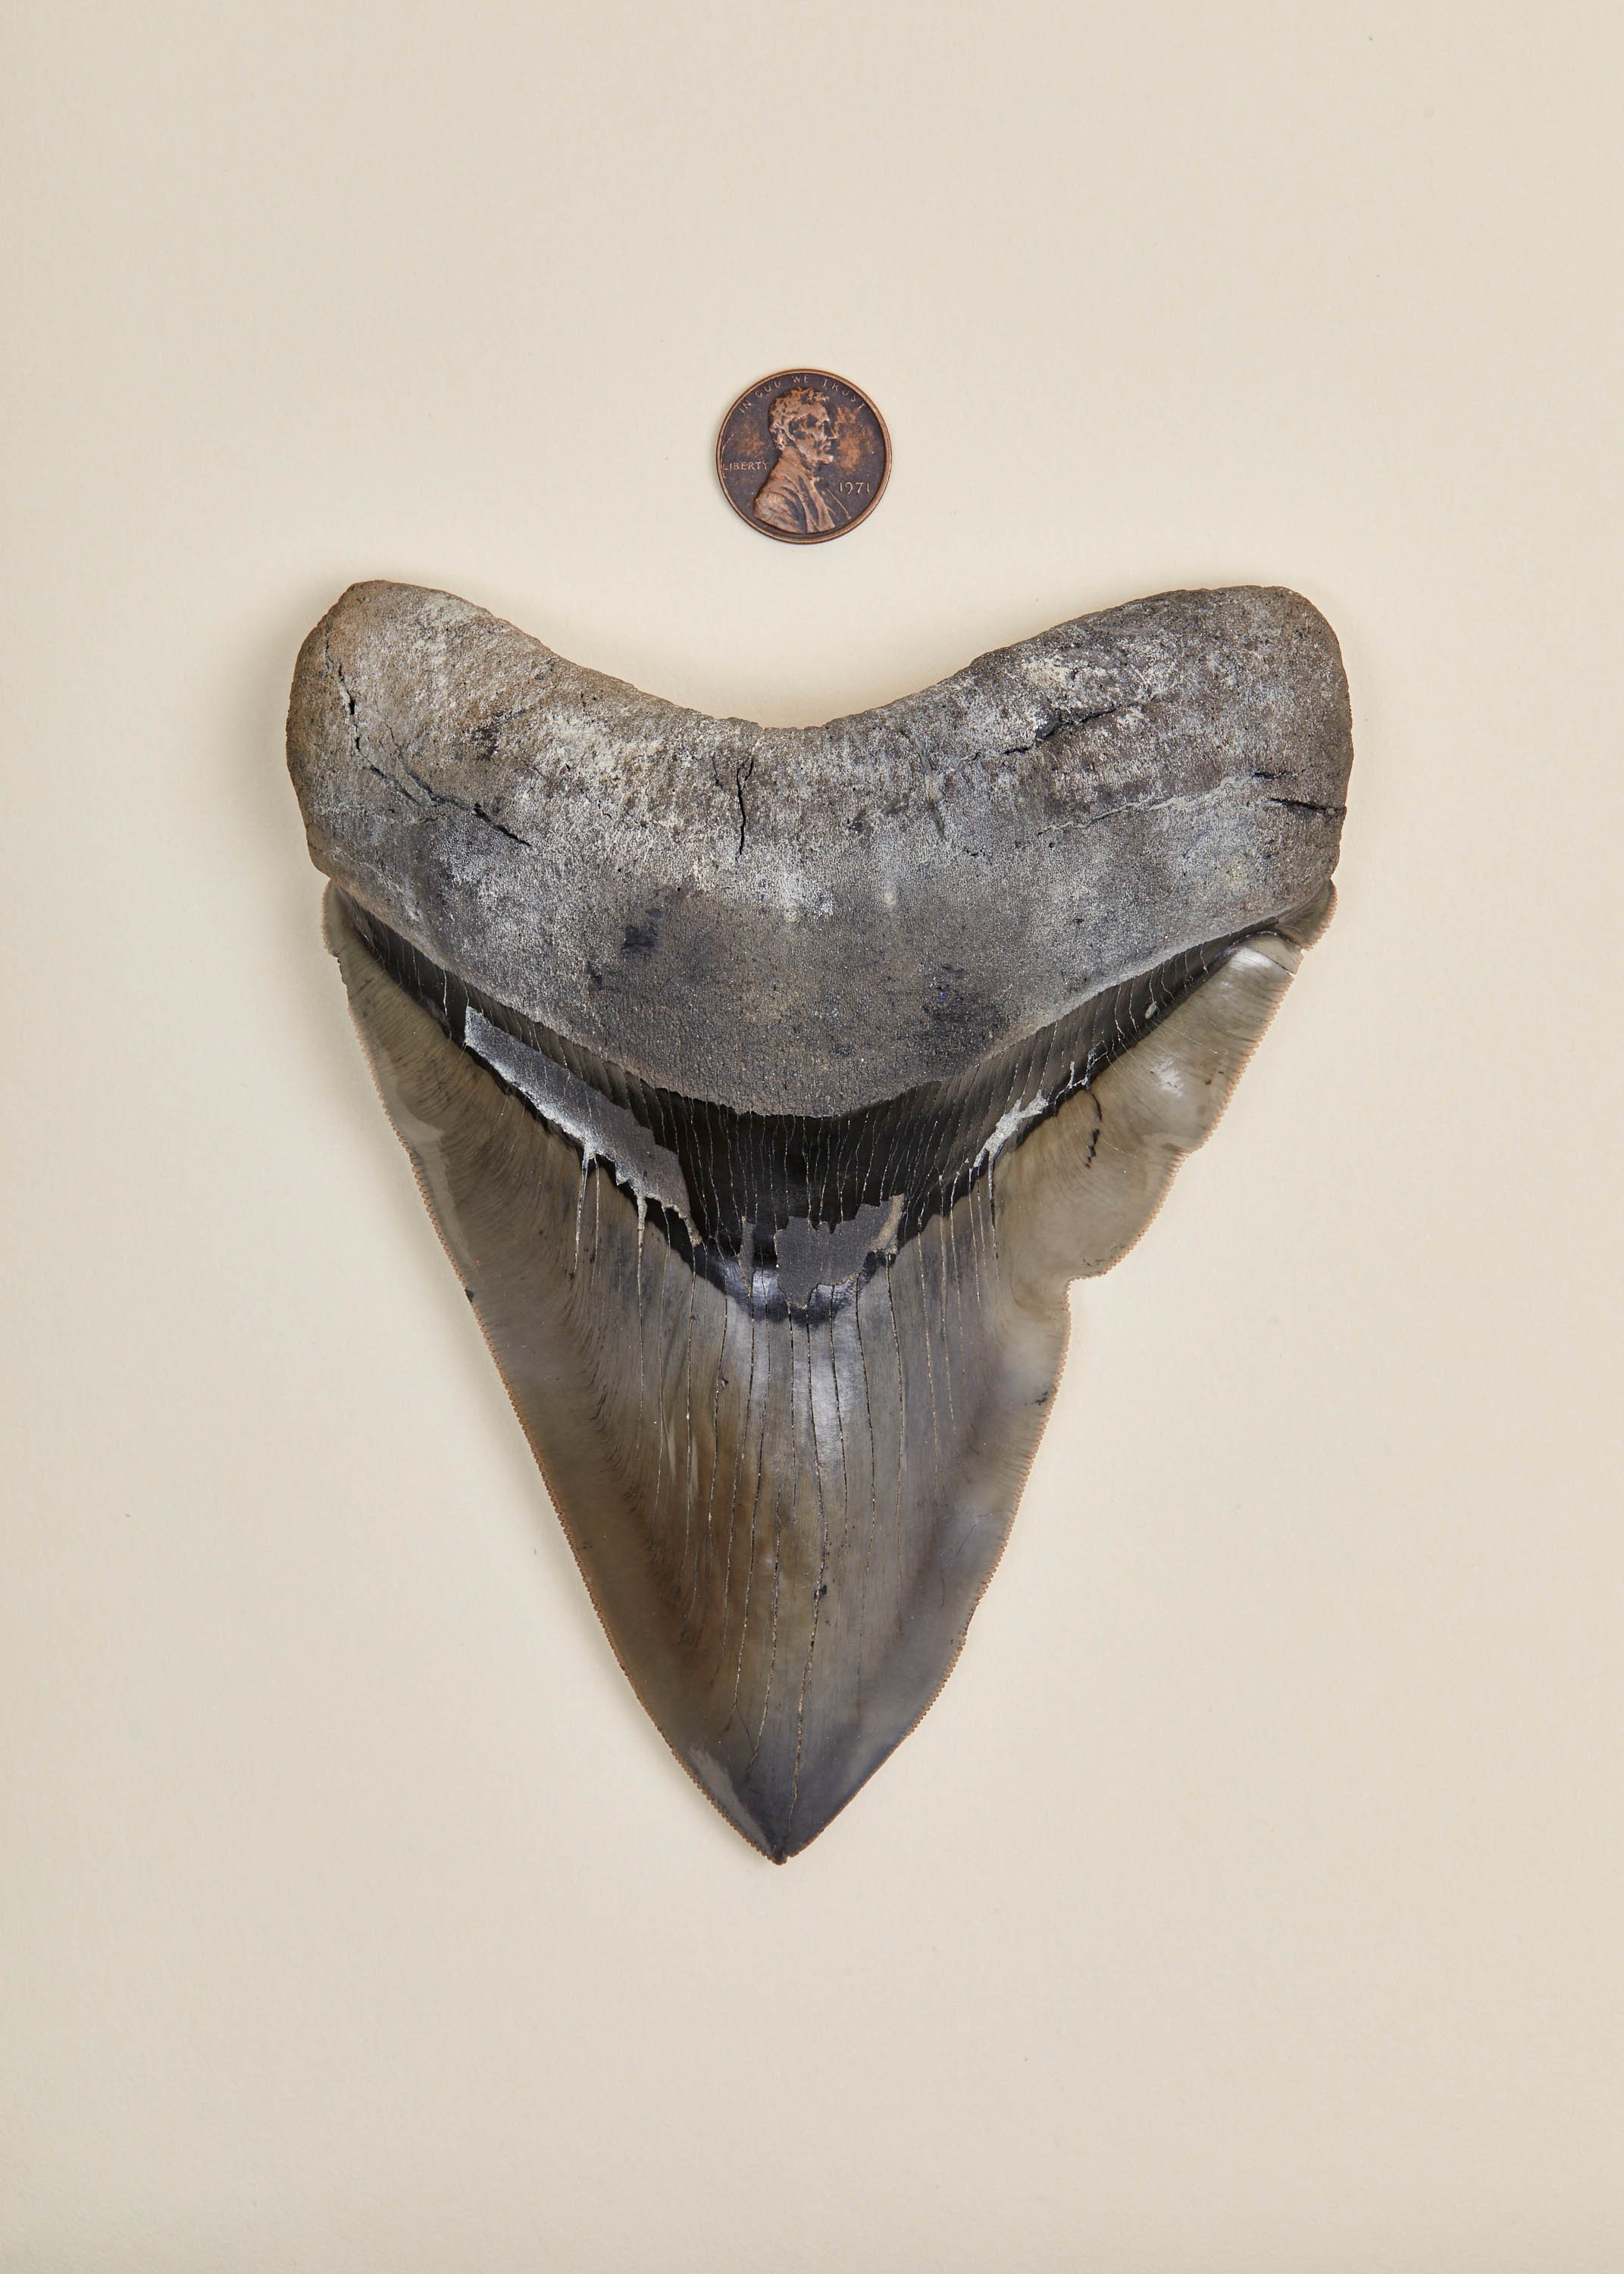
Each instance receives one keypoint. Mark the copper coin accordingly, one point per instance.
(803, 457)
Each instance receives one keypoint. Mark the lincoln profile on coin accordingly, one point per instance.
(791, 498)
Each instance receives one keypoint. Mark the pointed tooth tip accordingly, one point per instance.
(774, 1844)
(779, 1826)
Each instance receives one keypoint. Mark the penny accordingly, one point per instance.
(803, 457)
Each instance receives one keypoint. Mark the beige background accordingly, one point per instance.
(1251, 1898)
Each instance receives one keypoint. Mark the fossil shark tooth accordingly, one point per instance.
(769, 1087)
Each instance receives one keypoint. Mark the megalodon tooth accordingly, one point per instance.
(769, 1087)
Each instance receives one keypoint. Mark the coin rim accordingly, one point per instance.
(803, 371)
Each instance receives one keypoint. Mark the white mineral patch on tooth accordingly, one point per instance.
(811, 1255)
(604, 1131)
(1009, 1123)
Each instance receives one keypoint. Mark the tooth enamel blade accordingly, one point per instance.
(786, 1513)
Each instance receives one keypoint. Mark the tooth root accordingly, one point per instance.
(785, 1521)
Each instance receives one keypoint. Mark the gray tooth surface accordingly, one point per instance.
(769, 1089)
